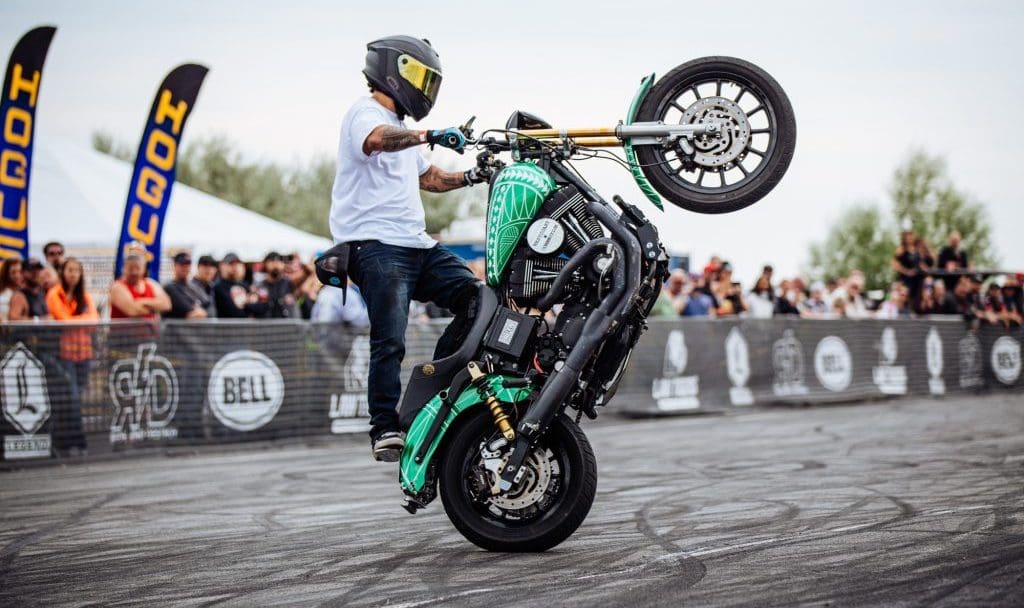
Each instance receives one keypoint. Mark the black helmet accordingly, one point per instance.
(406, 69)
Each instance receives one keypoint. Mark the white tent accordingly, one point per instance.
(77, 196)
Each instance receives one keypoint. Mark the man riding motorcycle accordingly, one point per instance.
(377, 218)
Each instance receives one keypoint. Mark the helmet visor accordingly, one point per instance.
(424, 78)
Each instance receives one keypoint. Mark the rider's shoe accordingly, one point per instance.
(387, 447)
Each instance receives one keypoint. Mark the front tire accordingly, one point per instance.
(735, 170)
(543, 510)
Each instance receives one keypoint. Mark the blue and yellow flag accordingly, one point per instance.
(155, 165)
(17, 118)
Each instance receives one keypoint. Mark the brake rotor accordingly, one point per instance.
(713, 151)
(533, 486)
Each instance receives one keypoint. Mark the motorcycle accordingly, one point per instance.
(570, 280)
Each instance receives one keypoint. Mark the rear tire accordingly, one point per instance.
(571, 493)
(662, 168)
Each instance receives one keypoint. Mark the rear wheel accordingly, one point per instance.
(757, 135)
(543, 510)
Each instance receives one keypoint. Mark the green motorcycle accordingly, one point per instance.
(571, 278)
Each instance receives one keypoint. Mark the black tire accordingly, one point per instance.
(551, 526)
(750, 188)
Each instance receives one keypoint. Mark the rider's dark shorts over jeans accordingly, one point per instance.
(389, 277)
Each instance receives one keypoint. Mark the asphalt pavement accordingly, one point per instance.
(909, 502)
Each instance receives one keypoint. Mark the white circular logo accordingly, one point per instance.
(833, 364)
(1006, 359)
(545, 235)
(246, 390)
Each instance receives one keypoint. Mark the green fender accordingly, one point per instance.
(634, 164)
(413, 476)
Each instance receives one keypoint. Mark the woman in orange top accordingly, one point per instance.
(68, 301)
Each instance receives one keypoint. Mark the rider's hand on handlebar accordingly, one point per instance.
(451, 138)
(478, 174)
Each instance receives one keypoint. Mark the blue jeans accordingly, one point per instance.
(389, 277)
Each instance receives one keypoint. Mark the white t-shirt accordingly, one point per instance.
(377, 197)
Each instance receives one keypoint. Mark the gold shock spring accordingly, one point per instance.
(500, 417)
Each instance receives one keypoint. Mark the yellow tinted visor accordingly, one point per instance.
(426, 79)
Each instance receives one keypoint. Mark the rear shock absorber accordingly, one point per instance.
(483, 387)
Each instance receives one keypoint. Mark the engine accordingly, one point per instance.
(561, 227)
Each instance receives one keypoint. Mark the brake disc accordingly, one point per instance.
(730, 143)
(531, 489)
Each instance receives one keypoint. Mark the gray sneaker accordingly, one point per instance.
(387, 447)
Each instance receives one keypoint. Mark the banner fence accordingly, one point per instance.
(114, 387)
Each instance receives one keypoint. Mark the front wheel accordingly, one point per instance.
(744, 160)
(543, 510)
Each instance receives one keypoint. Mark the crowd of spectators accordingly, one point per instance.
(924, 284)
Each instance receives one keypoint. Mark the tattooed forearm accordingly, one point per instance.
(436, 180)
(386, 138)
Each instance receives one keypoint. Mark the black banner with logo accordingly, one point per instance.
(156, 164)
(18, 101)
(146, 385)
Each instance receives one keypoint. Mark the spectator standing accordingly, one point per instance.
(761, 299)
(186, 302)
(1013, 295)
(700, 302)
(68, 301)
(672, 300)
(11, 281)
(788, 298)
(274, 294)
(897, 305)
(305, 286)
(907, 263)
(329, 308)
(53, 252)
(924, 252)
(30, 301)
(134, 295)
(230, 292)
(202, 283)
(927, 304)
(816, 306)
(728, 294)
(952, 258)
(945, 302)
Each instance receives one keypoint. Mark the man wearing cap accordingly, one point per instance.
(202, 283)
(186, 303)
(30, 301)
(377, 217)
(274, 297)
(230, 292)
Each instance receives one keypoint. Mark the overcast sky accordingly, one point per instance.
(869, 82)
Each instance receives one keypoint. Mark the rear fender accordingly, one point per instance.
(413, 475)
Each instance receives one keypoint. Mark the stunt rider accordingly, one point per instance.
(377, 215)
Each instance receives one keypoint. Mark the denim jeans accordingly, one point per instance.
(68, 419)
(389, 277)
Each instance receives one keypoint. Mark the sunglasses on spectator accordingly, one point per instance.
(53, 252)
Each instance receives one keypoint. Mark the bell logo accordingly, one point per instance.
(26, 403)
(246, 390)
(1006, 360)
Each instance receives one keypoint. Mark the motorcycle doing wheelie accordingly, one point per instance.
(570, 281)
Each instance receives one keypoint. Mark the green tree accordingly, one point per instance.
(924, 200)
(859, 240)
